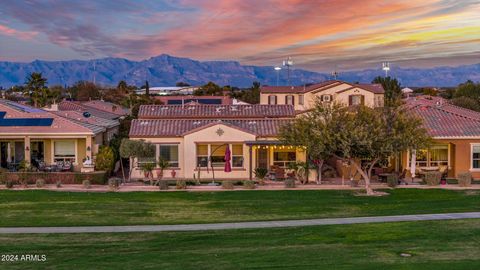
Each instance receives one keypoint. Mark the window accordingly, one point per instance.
(356, 100)
(326, 98)
(170, 154)
(289, 100)
(237, 156)
(379, 101)
(202, 155)
(284, 157)
(217, 155)
(439, 155)
(272, 100)
(436, 155)
(64, 151)
(300, 99)
(475, 156)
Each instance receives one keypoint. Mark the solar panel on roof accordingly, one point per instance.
(211, 101)
(24, 122)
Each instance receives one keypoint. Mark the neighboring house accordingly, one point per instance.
(194, 138)
(456, 134)
(304, 97)
(97, 108)
(36, 135)
(108, 127)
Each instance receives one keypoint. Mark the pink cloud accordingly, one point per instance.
(23, 35)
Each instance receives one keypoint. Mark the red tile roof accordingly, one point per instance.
(215, 111)
(77, 106)
(176, 128)
(60, 125)
(374, 88)
(444, 120)
(107, 107)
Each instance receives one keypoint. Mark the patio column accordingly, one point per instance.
(250, 161)
(89, 149)
(27, 149)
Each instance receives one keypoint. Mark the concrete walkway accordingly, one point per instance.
(238, 225)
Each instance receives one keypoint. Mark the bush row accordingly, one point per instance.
(95, 178)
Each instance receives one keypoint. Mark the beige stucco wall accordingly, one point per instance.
(188, 156)
(338, 96)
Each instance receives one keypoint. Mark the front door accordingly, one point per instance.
(262, 160)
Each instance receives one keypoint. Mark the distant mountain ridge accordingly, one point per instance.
(166, 70)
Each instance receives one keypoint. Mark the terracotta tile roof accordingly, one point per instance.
(66, 105)
(444, 120)
(60, 125)
(177, 127)
(215, 111)
(295, 89)
(107, 107)
(92, 120)
(374, 88)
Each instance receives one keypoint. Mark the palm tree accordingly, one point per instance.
(36, 89)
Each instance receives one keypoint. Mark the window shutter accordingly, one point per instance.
(275, 103)
(362, 99)
(350, 100)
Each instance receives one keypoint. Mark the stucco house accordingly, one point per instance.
(456, 134)
(194, 138)
(45, 137)
(303, 97)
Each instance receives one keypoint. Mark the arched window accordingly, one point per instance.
(272, 100)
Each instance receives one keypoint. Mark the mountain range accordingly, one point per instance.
(166, 70)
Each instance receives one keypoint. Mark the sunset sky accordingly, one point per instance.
(318, 35)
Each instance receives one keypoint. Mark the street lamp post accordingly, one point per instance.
(277, 69)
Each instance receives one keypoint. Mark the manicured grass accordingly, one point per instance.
(433, 245)
(51, 208)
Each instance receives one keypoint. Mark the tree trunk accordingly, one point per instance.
(365, 176)
(123, 171)
(319, 172)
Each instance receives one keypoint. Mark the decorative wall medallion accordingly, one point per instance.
(219, 132)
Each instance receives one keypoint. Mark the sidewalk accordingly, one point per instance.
(239, 225)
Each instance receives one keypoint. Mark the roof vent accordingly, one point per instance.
(197, 123)
(86, 114)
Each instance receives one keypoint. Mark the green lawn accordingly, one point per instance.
(51, 208)
(433, 245)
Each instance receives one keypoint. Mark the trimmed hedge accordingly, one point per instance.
(433, 178)
(95, 178)
(465, 179)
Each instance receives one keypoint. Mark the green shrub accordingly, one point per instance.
(181, 184)
(465, 179)
(86, 184)
(248, 184)
(163, 185)
(289, 183)
(227, 184)
(433, 178)
(58, 184)
(392, 180)
(260, 173)
(105, 159)
(9, 184)
(40, 183)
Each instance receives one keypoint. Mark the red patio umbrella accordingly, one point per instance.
(228, 167)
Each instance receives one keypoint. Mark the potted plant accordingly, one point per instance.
(147, 169)
(260, 174)
(162, 165)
